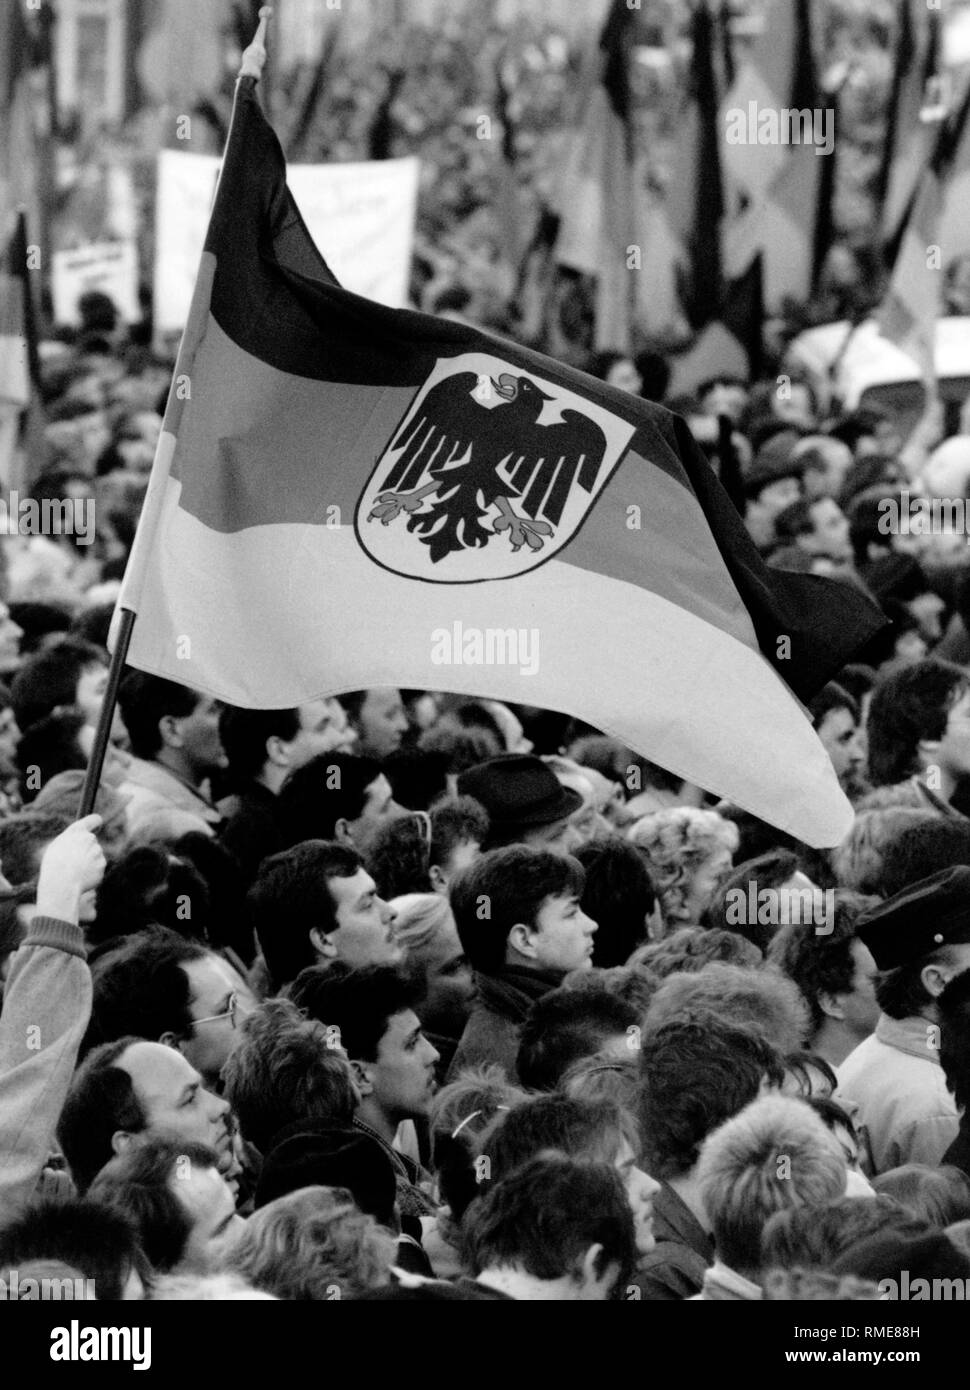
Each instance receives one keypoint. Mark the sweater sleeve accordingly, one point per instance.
(46, 1009)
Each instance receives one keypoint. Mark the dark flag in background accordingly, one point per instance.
(350, 495)
(19, 361)
(909, 140)
(598, 206)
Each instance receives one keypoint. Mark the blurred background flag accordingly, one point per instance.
(598, 204)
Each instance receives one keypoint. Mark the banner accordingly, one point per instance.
(108, 266)
(362, 215)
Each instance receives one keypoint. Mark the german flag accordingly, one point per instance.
(343, 493)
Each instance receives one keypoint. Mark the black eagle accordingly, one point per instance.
(541, 463)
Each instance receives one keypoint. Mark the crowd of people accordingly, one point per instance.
(403, 995)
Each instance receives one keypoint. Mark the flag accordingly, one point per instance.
(599, 201)
(721, 309)
(520, 238)
(696, 197)
(909, 140)
(19, 360)
(776, 186)
(954, 230)
(381, 131)
(347, 495)
(913, 299)
(18, 173)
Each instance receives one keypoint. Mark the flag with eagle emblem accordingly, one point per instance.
(340, 487)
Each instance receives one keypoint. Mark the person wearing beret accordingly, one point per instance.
(920, 940)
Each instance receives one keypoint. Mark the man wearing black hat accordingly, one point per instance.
(525, 801)
(920, 940)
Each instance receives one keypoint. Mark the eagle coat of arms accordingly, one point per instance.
(491, 472)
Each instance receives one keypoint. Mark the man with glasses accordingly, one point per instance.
(160, 986)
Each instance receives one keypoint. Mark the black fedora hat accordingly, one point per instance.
(518, 790)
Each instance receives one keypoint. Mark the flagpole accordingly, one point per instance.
(253, 60)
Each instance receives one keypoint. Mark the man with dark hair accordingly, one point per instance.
(521, 926)
(316, 902)
(835, 972)
(771, 484)
(525, 802)
(554, 1229)
(591, 1131)
(920, 939)
(263, 747)
(287, 1070)
(372, 1017)
(164, 987)
(459, 830)
(130, 1091)
(813, 1237)
(618, 895)
(174, 733)
(923, 848)
(566, 1025)
(337, 796)
(86, 1236)
(179, 1203)
(818, 527)
(70, 674)
(694, 1074)
(919, 729)
(379, 719)
(835, 718)
(954, 1009)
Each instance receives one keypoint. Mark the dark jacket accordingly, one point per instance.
(492, 1031)
(958, 1154)
(250, 831)
(674, 1268)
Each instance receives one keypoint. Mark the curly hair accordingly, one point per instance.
(859, 860)
(691, 948)
(676, 842)
(764, 1000)
(314, 1244)
(821, 964)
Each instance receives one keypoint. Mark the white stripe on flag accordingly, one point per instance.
(276, 615)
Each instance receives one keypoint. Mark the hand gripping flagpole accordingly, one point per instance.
(253, 61)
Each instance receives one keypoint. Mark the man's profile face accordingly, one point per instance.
(379, 807)
(382, 723)
(171, 1094)
(365, 922)
(560, 835)
(403, 1075)
(831, 530)
(213, 985)
(201, 743)
(562, 935)
(323, 729)
(954, 752)
(839, 735)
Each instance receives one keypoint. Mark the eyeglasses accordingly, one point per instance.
(230, 1013)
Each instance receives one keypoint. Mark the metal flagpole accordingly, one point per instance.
(251, 66)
